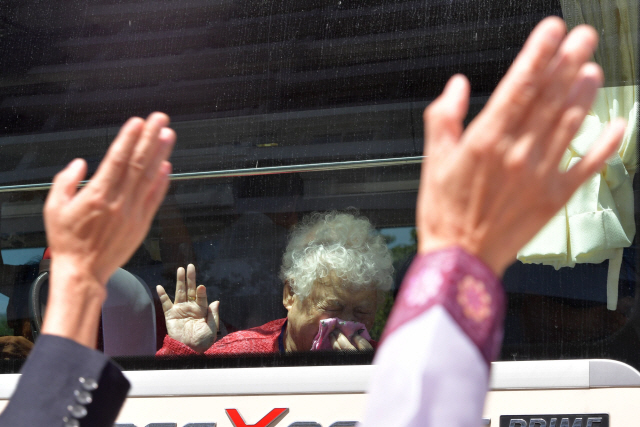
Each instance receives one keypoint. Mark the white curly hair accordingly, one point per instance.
(335, 243)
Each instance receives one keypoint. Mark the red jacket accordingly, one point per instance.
(262, 339)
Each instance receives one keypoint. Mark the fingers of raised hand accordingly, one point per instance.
(154, 147)
(111, 173)
(340, 342)
(157, 192)
(148, 149)
(595, 159)
(520, 86)
(560, 76)
(134, 173)
(154, 161)
(65, 183)
(191, 283)
(361, 343)
(443, 118)
(568, 69)
(577, 106)
(201, 296)
(181, 290)
(164, 299)
(133, 160)
(213, 316)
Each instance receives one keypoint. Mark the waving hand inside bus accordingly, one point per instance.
(189, 319)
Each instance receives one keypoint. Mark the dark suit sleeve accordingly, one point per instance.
(65, 383)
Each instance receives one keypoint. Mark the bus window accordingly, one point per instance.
(287, 108)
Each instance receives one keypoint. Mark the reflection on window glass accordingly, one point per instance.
(253, 85)
(22, 256)
(245, 83)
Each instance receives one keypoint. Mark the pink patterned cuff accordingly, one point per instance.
(462, 284)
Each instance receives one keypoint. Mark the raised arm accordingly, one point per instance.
(484, 192)
(91, 232)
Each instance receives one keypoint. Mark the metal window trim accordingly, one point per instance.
(523, 375)
(251, 381)
(270, 170)
(562, 374)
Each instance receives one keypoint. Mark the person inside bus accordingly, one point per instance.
(241, 264)
(335, 267)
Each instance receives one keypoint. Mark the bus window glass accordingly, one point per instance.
(246, 83)
(283, 109)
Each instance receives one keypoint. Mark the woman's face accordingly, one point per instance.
(328, 298)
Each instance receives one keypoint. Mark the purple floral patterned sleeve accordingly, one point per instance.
(432, 366)
(464, 286)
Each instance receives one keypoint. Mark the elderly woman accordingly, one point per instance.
(335, 266)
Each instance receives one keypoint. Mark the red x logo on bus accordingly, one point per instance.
(269, 420)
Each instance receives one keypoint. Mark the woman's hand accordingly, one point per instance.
(491, 187)
(340, 342)
(189, 319)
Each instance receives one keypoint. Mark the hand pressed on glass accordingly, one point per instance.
(189, 319)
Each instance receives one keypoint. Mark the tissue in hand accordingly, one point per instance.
(349, 329)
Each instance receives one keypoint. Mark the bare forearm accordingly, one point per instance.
(75, 301)
(93, 231)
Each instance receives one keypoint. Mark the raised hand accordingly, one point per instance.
(490, 188)
(94, 230)
(189, 319)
